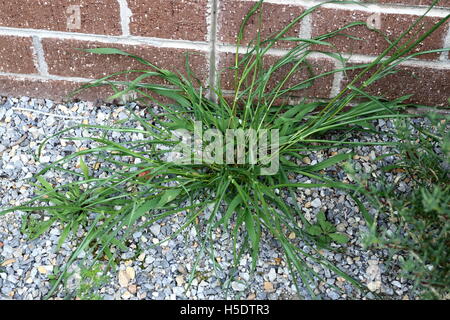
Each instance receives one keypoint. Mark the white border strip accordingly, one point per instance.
(417, 63)
(436, 64)
(211, 22)
(125, 16)
(38, 77)
(126, 40)
(368, 7)
(305, 31)
(337, 80)
(41, 64)
(445, 56)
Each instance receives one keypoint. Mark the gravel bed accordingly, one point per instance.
(162, 272)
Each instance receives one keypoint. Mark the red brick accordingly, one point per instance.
(49, 89)
(97, 16)
(170, 19)
(16, 55)
(372, 43)
(321, 88)
(64, 59)
(427, 85)
(274, 18)
(60, 90)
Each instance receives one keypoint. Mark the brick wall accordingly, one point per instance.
(38, 42)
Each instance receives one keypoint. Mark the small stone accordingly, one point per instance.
(50, 121)
(132, 289)
(268, 287)
(123, 278)
(142, 295)
(8, 262)
(179, 280)
(374, 285)
(44, 269)
(127, 295)
(306, 160)
(245, 276)
(55, 232)
(373, 271)
(122, 116)
(155, 229)
(316, 203)
(63, 108)
(181, 269)
(149, 260)
(178, 291)
(388, 291)
(333, 295)
(6, 290)
(272, 275)
(292, 236)
(237, 286)
(251, 296)
(131, 273)
(101, 116)
(141, 257)
(372, 262)
(44, 159)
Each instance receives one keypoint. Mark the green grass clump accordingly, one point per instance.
(241, 200)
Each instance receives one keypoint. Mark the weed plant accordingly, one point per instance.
(421, 216)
